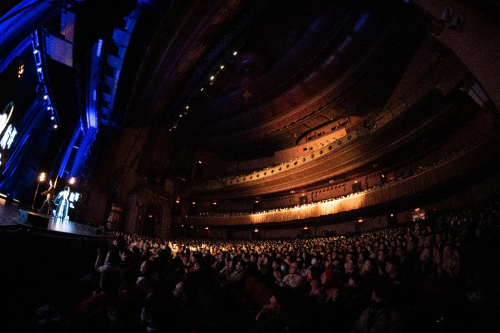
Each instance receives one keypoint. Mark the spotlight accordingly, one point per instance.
(212, 78)
(235, 53)
(55, 126)
(45, 97)
(72, 180)
(221, 66)
(52, 118)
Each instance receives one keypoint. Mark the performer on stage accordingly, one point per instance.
(47, 204)
(62, 203)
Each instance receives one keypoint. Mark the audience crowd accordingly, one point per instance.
(381, 281)
(399, 176)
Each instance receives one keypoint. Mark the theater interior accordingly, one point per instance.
(241, 119)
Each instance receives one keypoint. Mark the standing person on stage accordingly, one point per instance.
(62, 203)
(47, 204)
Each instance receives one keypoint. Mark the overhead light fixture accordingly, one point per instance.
(221, 66)
(55, 126)
(187, 107)
(52, 118)
(45, 97)
(235, 53)
(212, 77)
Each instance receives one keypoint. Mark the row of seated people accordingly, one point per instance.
(374, 282)
(398, 178)
(457, 152)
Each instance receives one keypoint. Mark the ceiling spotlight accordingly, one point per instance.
(52, 118)
(45, 97)
(48, 108)
(39, 70)
(235, 53)
(212, 77)
(180, 116)
(187, 107)
(201, 89)
(221, 66)
(55, 126)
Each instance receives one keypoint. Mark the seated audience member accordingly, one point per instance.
(148, 277)
(237, 278)
(219, 264)
(93, 310)
(380, 316)
(381, 257)
(396, 285)
(427, 268)
(350, 269)
(228, 269)
(405, 263)
(127, 259)
(111, 263)
(317, 292)
(369, 273)
(273, 317)
(293, 278)
(448, 265)
(251, 267)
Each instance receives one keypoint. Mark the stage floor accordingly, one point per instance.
(9, 215)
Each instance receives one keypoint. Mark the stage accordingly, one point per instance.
(12, 214)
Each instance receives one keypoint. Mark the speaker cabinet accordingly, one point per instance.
(35, 220)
